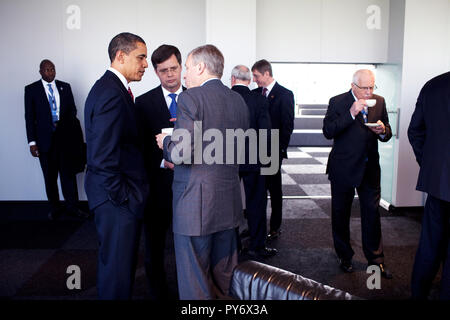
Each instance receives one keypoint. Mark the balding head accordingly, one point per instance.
(363, 84)
(240, 75)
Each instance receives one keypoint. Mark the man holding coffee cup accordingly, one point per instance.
(355, 122)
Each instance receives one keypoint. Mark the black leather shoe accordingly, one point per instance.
(385, 272)
(273, 235)
(265, 252)
(346, 265)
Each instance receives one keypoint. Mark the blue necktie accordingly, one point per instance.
(52, 101)
(364, 113)
(173, 106)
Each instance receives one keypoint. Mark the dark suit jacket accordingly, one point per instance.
(206, 197)
(281, 110)
(353, 142)
(152, 116)
(114, 152)
(429, 135)
(258, 108)
(40, 128)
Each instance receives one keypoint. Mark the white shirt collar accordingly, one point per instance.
(167, 92)
(120, 76)
(270, 86)
(45, 83)
(354, 95)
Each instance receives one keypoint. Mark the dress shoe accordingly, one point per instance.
(273, 235)
(385, 272)
(346, 265)
(265, 252)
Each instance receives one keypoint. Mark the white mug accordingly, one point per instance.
(167, 131)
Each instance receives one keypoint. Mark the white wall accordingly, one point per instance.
(322, 31)
(425, 55)
(231, 26)
(34, 30)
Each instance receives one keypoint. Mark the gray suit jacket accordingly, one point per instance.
(206, 197)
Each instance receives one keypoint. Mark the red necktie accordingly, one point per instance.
(264, 92)
(131, 93)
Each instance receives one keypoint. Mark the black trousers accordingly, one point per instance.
(118, 231)
(157, 222)
(55, 162)
(341, 203)
(256, 205)
(433, 249)
(274, 187)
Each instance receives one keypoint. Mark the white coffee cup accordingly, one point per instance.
(167, 131)
(371, 102)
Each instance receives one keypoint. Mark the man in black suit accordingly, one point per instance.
(354, 163)
(254, 182)
(429, 135)
(116, 183)
(156, 110)
(55, 137)
(281, 110)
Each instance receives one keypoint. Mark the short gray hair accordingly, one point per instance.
(211, 57)
(357, 75)
(241, 72)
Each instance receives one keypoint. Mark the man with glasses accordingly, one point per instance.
(156, 110)
(353, 163)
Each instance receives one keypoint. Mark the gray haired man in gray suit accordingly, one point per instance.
(207, 201)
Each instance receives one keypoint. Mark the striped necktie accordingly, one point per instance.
(52, 101)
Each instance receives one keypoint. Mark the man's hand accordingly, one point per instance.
(159, 139)
(357, 106)
(34, 151)
(168, 165)
(380, 129)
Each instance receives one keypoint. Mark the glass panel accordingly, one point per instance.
(388, 82)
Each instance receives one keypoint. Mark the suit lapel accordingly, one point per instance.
(162, 105)
(61, 92)
(44, 103)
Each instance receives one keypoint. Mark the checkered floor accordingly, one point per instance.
(303, 173)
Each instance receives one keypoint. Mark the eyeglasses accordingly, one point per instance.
(167, 70)
(366, 88)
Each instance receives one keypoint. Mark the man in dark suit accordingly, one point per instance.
(281, 110)
(156, 110)
(54, 135)
(207, 200)
(254, 182)
(354, 163)
(116, 183)
(429, 135)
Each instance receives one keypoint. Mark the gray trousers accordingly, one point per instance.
(205, 264)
